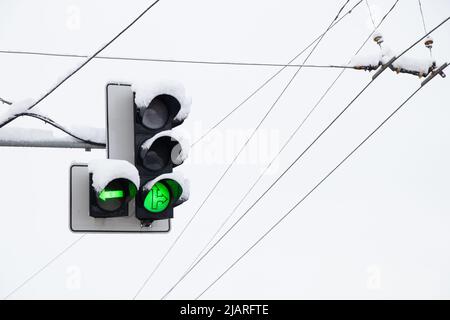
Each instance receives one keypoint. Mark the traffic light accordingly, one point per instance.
(135, 189)
(159, 149)
(112, 185)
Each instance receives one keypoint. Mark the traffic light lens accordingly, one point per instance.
(158, 198)
(115, 195)
(155, 161)
(158, 156)
(156, 115)
(110, 200)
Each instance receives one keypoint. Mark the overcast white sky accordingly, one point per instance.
(378, 228)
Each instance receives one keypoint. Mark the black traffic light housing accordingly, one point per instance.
(113, 200)
(155, 160)
(112, 185)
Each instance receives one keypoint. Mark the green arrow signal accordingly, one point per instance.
(111, 194)
(158, 198)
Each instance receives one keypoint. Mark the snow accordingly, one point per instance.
(372, 60)
(179, 178)
(106, 170)
(25, 134)
(15, 109)
(92, 134)
(377, 34)
(26, 137)
(386, 53)
(403, 64)
(421, 65)
(147, 91)
(178, 135)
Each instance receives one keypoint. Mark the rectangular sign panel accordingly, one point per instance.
(80, 221)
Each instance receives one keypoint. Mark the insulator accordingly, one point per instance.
(429, 42)
(378, 38)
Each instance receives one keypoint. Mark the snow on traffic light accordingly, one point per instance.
(159, 148)
(135, 189)
(113, 184)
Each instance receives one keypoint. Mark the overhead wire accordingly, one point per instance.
(277, 155)
(201, 62)
(423, 17)
(306, 150)
(267, 81)
(237, 155)
(73, 243)
(42, 98)
(43, 267)
(5, 101)
(278, 222)
(205, 62)
(370, 13)
(67, 131)
(63, 80)
(428, 45)
(58, 126)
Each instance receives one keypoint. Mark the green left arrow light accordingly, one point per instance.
(111, 194)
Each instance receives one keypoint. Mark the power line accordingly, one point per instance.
(205, 62)
(8, 120)
(73, 243)
(370, 13)
(423, 18)
(44, 267)
(237, 155)
(281, 176)
(428, 42)
(42, 98)
(276, 156)
(269, 79)
(305, 151)
(61, 128)
(56, 125)
(5, 101)
(195, 62)
(311, 191)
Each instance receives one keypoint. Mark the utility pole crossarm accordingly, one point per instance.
(56, 143)
(37, 138)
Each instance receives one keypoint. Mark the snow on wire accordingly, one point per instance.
(420, 67)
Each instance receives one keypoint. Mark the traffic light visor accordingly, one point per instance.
(113, 183)
(161, 102)
(165, 146)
